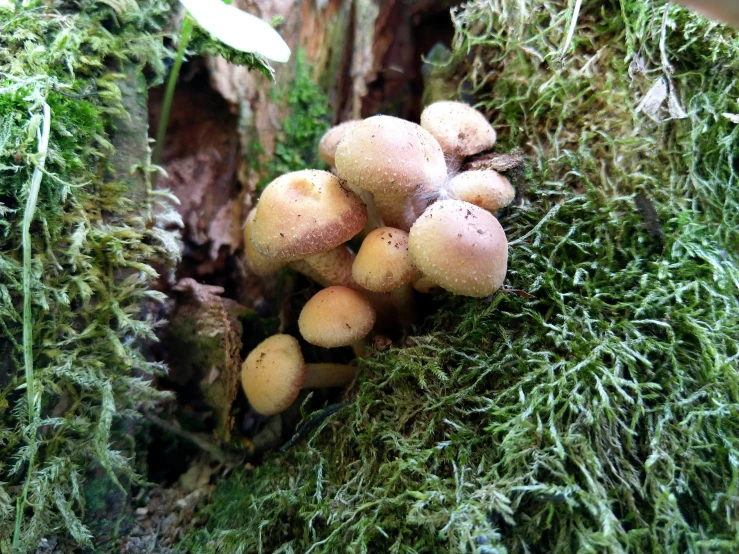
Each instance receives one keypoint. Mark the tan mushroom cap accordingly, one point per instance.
(336, 316)
(257, 262)
(391, 156)
(460, 129)
(383, 262)
(272, 374)
(460, 247)
(305, 212)
(329, 141)
(485, 188)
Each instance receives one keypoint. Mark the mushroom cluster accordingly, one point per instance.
(425, 224)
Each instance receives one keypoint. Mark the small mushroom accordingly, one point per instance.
(257, 262)
(485, 188)
(307, 215)
(394, 159)
(424, 285)
(383, 264)
(329, 141)
(461, 130)
(460, 247)
(274, 373)
(337, 316)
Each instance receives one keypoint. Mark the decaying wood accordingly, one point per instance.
(366, 55)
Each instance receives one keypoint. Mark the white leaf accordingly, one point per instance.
(238, 29)
(654, 98)
(733, 117)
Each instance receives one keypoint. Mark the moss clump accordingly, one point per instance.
(91, 247)
(307, 120)
(601, 415)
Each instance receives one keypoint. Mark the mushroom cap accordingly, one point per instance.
(272, 374)
(383, 262)
(424, 285)
(390, 156)
(329, 141)
(460, 129)
(305, 212)
(336, 316)
(460, 247)
(485, 188)
(257, 262)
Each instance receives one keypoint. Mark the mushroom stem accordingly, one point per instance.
(396, 211)
(404, 304)
(333, 267)
(318, 376)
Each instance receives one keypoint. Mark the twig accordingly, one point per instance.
(30, 210)
(201, 441)
(312, 423)
(666, 65)
(571, 30)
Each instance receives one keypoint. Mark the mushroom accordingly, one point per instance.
(424, 285)
(307, 215)
(394, 159)
(460, 247)
(329, 141)
(383, 264)
(485, 188)
(337, 316)
(275, 371)
(257, 262)
(461, 130)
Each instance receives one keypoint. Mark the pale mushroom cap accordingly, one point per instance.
(256, 261)
(460, 129)
(306, 212)
(485, 188)
(336, 316)
(391, 156)
(383, 262)
(272, 374)
(460, 247)
(329, 141)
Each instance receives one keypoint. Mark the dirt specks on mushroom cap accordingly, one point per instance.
(336, 316)
(460, 247)
(391, 156)
(272, 374)
(304, 213)
(383, 262)
(460, 129)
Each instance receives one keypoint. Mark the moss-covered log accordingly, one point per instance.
(77, 372)
(593, 406)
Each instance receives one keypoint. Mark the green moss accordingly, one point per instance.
(296, 146)
(91, 248)
(600, 415)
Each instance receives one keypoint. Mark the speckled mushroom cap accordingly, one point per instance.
(257, 262)
(272, 374)
(460, 247)
(391, 156)
(305, 212)
(485, 188)
(460, 129)
(336, 316)
(329, 141)
(383, 262)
